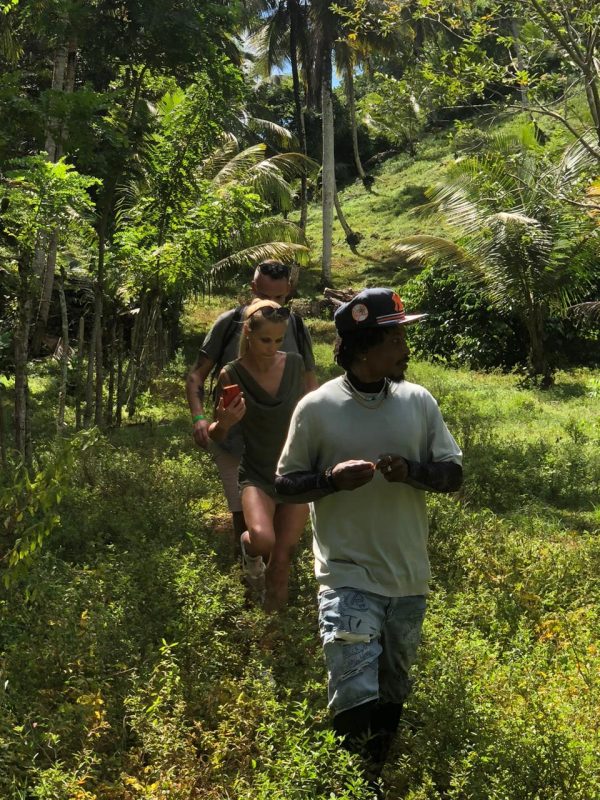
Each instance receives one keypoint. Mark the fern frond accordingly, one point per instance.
(423, 248)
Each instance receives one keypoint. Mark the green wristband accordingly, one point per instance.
(197, 417)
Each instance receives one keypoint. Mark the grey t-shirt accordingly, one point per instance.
(225, 325)
(373, 538)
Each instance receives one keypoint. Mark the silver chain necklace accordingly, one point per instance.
(366, 399)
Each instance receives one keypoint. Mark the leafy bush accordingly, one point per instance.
(132, 669)
(464, 330)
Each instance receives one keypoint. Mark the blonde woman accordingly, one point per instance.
(271, 383)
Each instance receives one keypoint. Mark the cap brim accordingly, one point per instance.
(406, 321)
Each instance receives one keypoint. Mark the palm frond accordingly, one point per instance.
(453, 201)
(422, 248)
(220, 157)
(250, 256)
(272, 229)
(580, 156)
(521, 140)
(268, 182)
(10, 49)
(295, 165)
(590, 310)
(239, 164)
(281, 135)
(515, 218)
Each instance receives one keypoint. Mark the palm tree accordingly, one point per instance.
(307, 35)
(270, 177)
(354, 49)
(282, 35)
(514, 240)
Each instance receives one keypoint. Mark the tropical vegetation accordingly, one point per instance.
(151, 155)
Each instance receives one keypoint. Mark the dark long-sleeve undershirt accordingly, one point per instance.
(307, 486)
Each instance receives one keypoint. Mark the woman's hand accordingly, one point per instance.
(226, 418)
(200, 432)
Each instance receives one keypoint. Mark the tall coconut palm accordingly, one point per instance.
(306, 35)
(513, 239)
(346, 59)
(282, 35)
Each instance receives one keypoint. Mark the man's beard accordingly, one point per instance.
(397, 378)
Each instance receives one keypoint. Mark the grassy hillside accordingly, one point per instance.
(385, 214)
(382, 216)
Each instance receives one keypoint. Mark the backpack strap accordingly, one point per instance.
(299, 333)
(228, 335)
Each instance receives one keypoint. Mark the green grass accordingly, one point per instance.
(381, 217)
(388, 212)
(131, 667)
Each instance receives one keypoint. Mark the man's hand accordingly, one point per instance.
(393, 468)
(200, 433)
(349, 475)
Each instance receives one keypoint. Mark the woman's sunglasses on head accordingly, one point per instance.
(269, 311)
(275, 271)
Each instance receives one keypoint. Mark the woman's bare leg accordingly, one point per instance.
(289, 523)
(259, 513)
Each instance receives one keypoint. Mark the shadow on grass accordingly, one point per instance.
(564, 391)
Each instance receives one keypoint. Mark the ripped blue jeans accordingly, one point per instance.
(370, 643)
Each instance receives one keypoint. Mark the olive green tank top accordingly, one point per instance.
(266, 421)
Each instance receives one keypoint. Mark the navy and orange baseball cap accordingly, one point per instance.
(373, 308)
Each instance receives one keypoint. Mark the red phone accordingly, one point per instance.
(230, 393)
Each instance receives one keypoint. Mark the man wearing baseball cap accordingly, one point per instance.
(364, 449)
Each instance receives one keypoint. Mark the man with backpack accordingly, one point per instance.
(271, 281)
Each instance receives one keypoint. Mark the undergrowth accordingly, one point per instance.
(131, 666)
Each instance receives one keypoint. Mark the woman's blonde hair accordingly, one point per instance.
(252, 320)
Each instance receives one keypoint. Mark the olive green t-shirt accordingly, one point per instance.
(265, 424)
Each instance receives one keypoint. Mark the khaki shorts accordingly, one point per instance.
(228, 465)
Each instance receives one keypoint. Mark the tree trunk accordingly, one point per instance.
(89, 383)
(538, 363)
(64, 360)
(97, 337)
(120, 386)
(3, 444)
(111, 372)
(349, 86)
(515, 26)
(593, 96)
(328, 170)
(352, 238)
(160, 358)
(47, 285)
(103, 238)
(63, 80)
(21, 343)
(135, 356)
(298, 104)
(79, 374)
